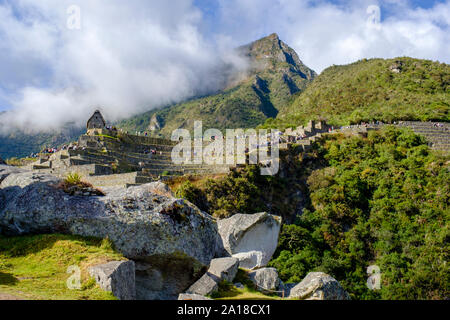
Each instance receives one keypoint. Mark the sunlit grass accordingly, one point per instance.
(35, 267)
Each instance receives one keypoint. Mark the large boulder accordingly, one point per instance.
(117, 277)
(265, 279)
(224, 268)
(252, 238)
(6, 170)
(219, 270)
(206, 285)
(250, 259)
(319, 286)
(170, 239)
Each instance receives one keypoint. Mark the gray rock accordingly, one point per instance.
(170, 237)
(189, 296)
(7, 170)
(257, 232)
(239, 285)
(164, 277)
(219, 269)
(140, 223)
(224, 268)
(319, 286)
(265, 279)
(206, 285)
(250, 259)
(286, 288)
(117, 277)
(160, 188)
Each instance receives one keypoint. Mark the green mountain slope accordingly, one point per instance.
(20, 144)
(274, 76)
(376, 89)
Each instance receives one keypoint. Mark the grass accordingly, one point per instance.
(35, 267)
(73, 179)
(19, 162)
(73, 182)
(107, 136)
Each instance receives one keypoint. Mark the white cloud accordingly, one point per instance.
(323, 33)
(130, 56)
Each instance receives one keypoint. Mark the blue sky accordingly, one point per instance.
(139, 54)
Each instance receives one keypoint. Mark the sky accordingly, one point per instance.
(62, 59)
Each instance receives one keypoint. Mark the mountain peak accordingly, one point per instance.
(273, 36)
(272, 53)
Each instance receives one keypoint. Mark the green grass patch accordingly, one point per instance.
(35, 267)
(227, 291)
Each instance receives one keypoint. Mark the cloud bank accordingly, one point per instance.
(127, 57)
(131, 56)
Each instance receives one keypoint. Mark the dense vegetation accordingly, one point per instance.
(381, 200)
(36, 267)
(245, 190)
(375, 89)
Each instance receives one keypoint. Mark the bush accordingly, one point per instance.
(381, 200)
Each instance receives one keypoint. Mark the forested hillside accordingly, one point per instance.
(370, 90)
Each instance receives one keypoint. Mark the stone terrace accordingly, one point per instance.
(105, 157)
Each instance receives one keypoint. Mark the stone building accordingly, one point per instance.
(96, 121)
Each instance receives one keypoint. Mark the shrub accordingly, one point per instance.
(381, 200)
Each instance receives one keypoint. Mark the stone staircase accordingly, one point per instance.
(437, 136)
(106, 160)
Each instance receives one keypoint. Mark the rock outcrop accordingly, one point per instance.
(224, 268)
(265, 279)
(206, 285)
(319, 286)
(219, 270)
(8, 170)
(117, 277)
(250, 259)
(252, 238)
(170, 239)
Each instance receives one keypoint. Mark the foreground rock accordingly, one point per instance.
(319, 286)
(8, 170)
(221, 269)
(117, 277)
(250, 259)
(265, 279)
(206, 285)
(252, 238)
(224, 268)
(170, 239)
